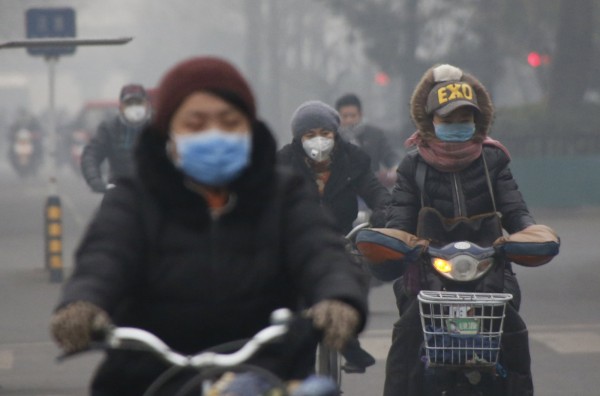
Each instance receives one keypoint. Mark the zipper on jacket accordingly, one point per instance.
(214, 233)
(215, 225)
(459, 201)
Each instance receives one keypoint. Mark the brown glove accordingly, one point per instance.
(72, 326)
(338, 320)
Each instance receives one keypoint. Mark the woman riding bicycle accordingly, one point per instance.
(338, 173)
(206, 240)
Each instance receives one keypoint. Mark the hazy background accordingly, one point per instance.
(293, 50)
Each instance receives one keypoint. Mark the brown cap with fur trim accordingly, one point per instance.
(423, 105)
(210, 74)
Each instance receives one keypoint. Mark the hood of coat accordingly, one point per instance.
(424, 121)
(165, 181)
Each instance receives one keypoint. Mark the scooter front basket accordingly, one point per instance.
(462, 329)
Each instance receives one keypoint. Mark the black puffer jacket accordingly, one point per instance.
(115, 141)
(464, 193)
(153, 257)
(351, 177)
(377, 146)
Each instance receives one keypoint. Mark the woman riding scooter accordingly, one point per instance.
(455, 174)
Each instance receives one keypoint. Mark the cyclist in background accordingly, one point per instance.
(338, 173)
(116, 139)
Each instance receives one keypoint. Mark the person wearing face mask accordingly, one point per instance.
(455, 171)
(205, 240)
(337, 173)
(115, 139)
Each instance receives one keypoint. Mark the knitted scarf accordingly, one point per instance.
(450, 156)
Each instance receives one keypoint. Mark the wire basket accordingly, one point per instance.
(462, 329)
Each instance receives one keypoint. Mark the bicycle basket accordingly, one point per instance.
(462, 328)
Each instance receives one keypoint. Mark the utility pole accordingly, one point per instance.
(51, 34)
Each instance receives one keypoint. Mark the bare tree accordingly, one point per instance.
(574, 53)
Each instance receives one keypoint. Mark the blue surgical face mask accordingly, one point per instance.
(213, 157)
(460, 132)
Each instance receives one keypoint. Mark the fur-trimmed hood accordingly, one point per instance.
(424, 121)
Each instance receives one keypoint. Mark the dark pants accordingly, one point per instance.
(404, 369)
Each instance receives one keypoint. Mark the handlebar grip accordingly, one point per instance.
(100, 334)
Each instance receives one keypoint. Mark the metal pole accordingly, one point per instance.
(54, 256)
(52, 138)
(53, 212)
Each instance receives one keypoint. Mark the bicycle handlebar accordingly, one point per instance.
(139, 339)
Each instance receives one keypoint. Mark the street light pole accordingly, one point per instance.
(52, 210)
(52, 133)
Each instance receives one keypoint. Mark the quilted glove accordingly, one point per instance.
(535, 245)
(338, 320)
(72, 326)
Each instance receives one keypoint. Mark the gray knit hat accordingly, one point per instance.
(314, 114)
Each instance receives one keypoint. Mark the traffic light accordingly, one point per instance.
(382, 79)
(535, 59)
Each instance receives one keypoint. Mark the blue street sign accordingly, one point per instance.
(50, 22)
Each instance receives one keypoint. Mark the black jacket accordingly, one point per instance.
(114, 140)
(463, 193)
(351, 177)
(373, 141)
(153, 257)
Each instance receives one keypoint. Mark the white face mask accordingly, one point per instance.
(135, 113)
(318, 148)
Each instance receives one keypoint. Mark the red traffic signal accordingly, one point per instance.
(535, 59)
(382, 79)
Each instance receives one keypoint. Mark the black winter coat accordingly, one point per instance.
(153, 257)
(351, 177)
(376, 145)
(463, 193)
(115, 141)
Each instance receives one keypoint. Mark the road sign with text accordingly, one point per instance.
(50, 22)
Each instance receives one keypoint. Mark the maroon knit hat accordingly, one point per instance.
(201, 74)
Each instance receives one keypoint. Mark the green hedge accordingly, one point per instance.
(532, 131)
(559, 181)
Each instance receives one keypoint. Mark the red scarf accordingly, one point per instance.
(450, 156)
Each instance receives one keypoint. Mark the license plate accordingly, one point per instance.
(463, 326)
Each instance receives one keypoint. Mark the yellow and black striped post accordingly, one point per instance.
(53, 233)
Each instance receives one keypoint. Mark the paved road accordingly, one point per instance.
(560, 301)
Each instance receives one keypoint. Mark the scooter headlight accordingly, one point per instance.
(442, 266)
(462, 268)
